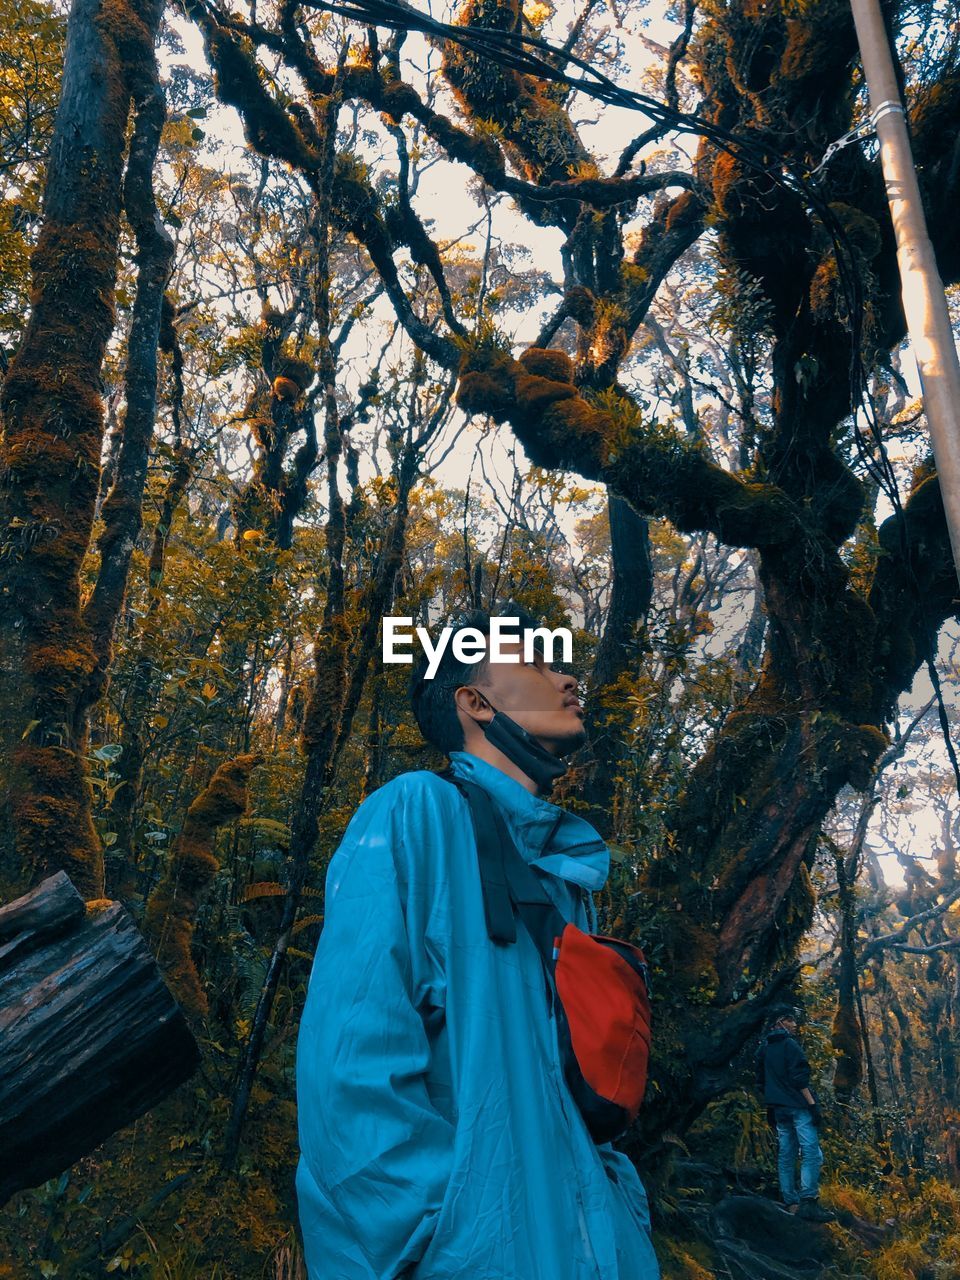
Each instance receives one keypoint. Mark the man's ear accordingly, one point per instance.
(473, 703)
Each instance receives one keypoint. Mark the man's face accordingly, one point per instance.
(539, 699)
(789, 1025)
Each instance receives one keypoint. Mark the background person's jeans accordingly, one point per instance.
(797, 1134)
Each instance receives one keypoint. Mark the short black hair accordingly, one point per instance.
(432, 700)
(781, 1011)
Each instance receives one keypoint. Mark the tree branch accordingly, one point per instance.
(898, 937)
(914, 590)
(123, 509)
(273, 131)
(657, 470)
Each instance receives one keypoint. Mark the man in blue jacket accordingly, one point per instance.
(439, 1140)
(783, 1074)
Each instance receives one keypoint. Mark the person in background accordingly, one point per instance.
(783, 1075)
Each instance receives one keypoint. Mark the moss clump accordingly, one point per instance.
(484, 392)
(285, 389)
(728, 183)
(605, 438)
(50, 802)
(299, 372)
(823, 289)
(266, 125)
(581, 305)
(865, 239)
(818, 43)
(845, 1038)
(547, 362)
(686, 211)
(861, 229)
(533, 127)
(535, 394)
(865, 744)
(924, 470)
(322, 715)
(357, 206)
(845, 632)
(571, 423)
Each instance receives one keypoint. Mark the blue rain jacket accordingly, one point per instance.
(438, 1137)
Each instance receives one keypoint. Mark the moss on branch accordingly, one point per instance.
(171, 909)
(656, 469)
(533, 126)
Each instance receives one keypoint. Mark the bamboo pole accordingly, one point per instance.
(924, 301)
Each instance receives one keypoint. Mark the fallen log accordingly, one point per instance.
(90, 1037)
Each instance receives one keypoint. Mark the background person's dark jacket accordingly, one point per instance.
(782, 1071)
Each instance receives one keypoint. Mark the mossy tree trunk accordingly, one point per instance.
(171, 910)
(608, 712)
(53, 427)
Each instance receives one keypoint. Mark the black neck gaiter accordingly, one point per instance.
(524, 750)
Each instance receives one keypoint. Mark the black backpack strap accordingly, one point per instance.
(497, 905)
(506, 879)
(534, 905)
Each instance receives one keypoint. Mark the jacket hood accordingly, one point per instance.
(546, 835)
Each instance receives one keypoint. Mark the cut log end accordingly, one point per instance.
(90, 1036)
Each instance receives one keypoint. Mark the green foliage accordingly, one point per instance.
(31, 55)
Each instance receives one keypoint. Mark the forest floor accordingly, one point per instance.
(732, 1225)
(114, 1213)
